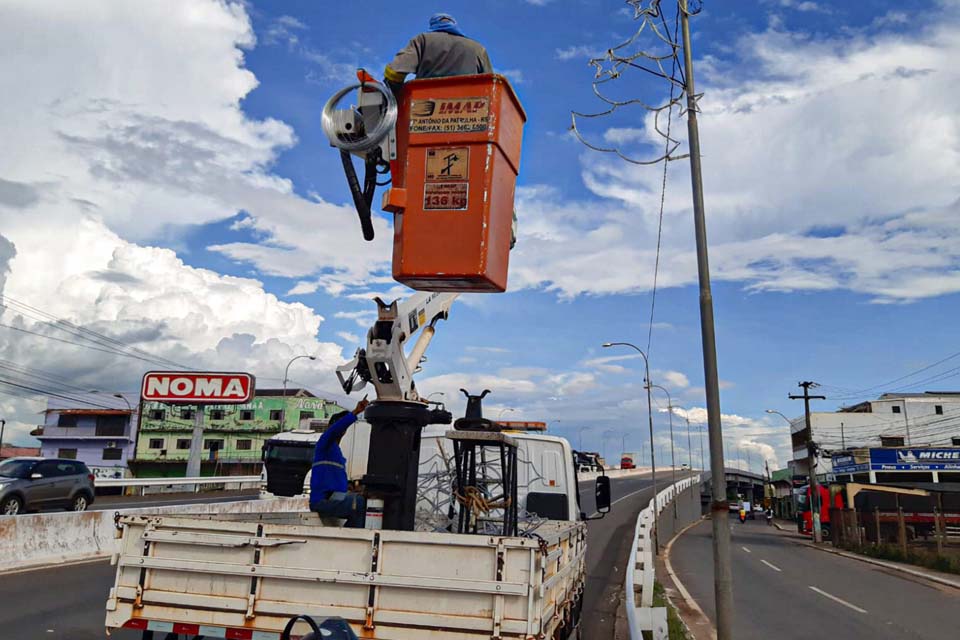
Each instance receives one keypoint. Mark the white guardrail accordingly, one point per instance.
(641, 614)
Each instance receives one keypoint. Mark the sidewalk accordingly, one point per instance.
(937, 577)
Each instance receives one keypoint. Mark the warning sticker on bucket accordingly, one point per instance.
(445, 195)
(449, 163)
(449, 115)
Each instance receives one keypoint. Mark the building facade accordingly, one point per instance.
(918, 420)
(233, 435)
(92, 431)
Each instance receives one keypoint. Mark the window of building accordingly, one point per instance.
(183, 443)
(156, 443)
(938, 409)
(111, 426)
(112, 453)
(895, 408)
(186, 414)
(69, 454)
(955, 442)
(216, 414)
(306, 415)
(156, 414)
(216, 445)
(66, 421)
(246, 415)
(276, 414)
(244, 445)
(891, 441)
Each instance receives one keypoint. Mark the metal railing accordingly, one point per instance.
(641, 614)
(189, 484)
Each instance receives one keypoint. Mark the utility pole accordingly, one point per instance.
(811, 457)
(3, 425)
(722, 573)
(843, 440)
(196, 443)
(906, 422)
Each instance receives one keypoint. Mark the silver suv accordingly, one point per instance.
(30, 484)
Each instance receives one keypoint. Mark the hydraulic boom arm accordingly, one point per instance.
(383, 361)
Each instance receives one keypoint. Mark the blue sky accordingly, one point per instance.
(830, 160)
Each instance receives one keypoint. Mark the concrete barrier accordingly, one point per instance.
(641, 614)
(53, 538)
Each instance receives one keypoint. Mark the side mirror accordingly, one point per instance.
(36, 476)
(602, 495)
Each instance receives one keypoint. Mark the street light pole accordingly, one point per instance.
(503, 411)
(286, 374)
(653, 460)
(673, 459)
(580, 431)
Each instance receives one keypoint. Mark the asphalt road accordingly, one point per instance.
(785, 590)
(67, 603)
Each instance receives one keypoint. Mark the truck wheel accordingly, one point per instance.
(11, 506)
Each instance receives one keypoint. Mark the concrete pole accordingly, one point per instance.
(722, 572)
(196, 444)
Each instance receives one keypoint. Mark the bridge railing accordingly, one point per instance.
(186, 484)
(641, 614)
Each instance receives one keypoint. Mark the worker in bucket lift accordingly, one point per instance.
(442, 51)
(328, 480)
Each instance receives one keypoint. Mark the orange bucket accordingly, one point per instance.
(458, 155)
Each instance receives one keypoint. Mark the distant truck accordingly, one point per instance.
(587, 462)
(629, 460)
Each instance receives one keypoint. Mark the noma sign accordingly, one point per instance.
(197, 388)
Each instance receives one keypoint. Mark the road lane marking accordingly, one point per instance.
(774, 567)
(838, 600)
(747, 550)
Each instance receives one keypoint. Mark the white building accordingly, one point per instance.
(930, 419)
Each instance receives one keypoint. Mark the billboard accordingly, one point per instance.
(896, 459)
(191, 387)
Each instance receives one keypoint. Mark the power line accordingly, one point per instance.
(102, 342)
(663, 182)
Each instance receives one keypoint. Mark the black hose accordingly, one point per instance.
(361, 198)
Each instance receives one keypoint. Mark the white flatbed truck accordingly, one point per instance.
(245, 576)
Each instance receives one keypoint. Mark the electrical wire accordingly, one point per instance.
(98, 340)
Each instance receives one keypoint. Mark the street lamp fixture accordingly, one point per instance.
(286, 378)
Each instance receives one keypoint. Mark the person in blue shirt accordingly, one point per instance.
(329, 495)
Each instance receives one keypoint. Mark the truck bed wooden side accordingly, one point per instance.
(253, 574)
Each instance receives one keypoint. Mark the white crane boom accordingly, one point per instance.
(383, 362)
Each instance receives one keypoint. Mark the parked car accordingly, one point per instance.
(30, 484)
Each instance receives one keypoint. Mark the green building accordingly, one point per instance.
(233, 434)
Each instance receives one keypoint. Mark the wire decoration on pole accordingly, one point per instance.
(624, 57)
(613, 65)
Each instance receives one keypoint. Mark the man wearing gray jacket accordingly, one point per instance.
(442, 51)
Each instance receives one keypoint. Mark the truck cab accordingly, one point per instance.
(288, 457)
(547, 481)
